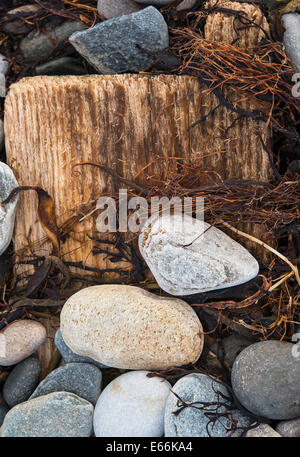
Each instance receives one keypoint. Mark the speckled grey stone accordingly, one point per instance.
(81, 379)
(38, 47)
(291, 37)
(3, 412)
(289, 428)
(7, 212)
(59, 414)
(233, 345)
(69, 356)
(115, 8)
(60, 67)
(265, 378)
(191, 422)
(22, 381)
(262, 431)
(125, 43)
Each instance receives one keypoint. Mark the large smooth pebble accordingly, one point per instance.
(130, 328)
(19, 340)
(193, 422)
(7, 213)
(265, 378)
(132, 405)
(188, 256)
(22, 381)
(57, 415)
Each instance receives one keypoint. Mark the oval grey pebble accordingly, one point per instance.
(57, 415)
(192, 422)
(265, 379)
(22, 381)
(82, 379)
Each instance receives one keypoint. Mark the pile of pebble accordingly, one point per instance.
(128, 328)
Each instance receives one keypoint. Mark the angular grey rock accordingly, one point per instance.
(132, 405)
(265, 379)
(81, 379)
(7, 212)
(40, 46)
(115, 8)
(69, 356)
(191, 422)
(59, 414)
(233, 345)
(289, 428)
(262, 431)
(188, 256)
(125, 43)
(22, 381)
(60, 67)
(17, 25)
(291, 37)
(3, 412)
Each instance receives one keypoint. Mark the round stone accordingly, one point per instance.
(7, 213)
(19, 340)
(127, 327)
(22, 381)
(192, 422)
(290, 428)
(59, 414)
(265, 379)
(81, 379)
(132, 405)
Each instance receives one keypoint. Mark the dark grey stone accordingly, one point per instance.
(290, 428)
(265, 378)
(233, 345)
(69, 356)
(22, 381)
(81, 379)
(191, 422)
(125, 43)
(59, 414)
(60, 67)
(40, 47)
(16, 25)
(114, 8)
(3, 412)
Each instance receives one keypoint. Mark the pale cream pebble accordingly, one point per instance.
(19, 340)
(129, 328)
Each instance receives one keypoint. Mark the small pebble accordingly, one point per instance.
(262, 431)
(265, 379)
(186, 5)
(123, 44)
(56, 415)
(3, 70)
(60, 67)
(154, 2)
(233, 345)
(114, 8)
(18, 26)
(191, 422)
(39, 47)
(1, 134)
(3, 412)
(69, 356)
(22, 381)
(291, 37)
(7, 213)
(19, 340)
(290, 428)
(81, 379)
(132, 405)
